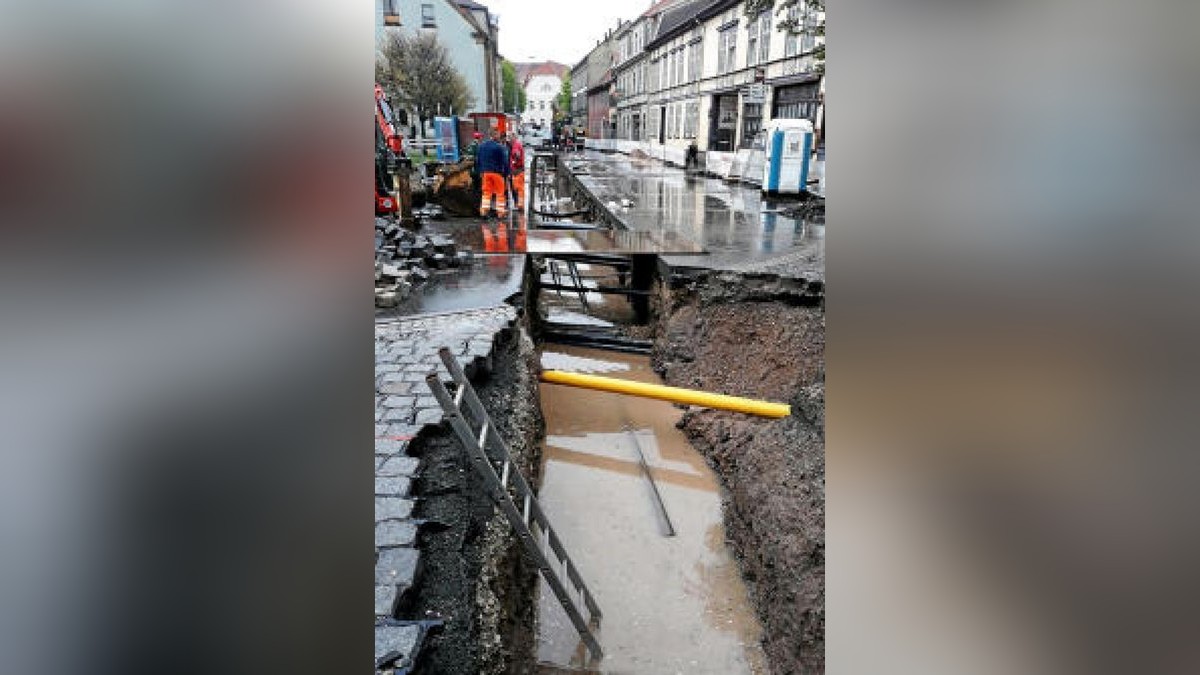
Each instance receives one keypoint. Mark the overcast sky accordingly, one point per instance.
(563, 30)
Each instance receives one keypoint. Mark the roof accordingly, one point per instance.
(467, 9)
(657, 6)
(678, 17)
(525, 71)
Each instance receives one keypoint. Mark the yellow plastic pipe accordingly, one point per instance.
(673, 394)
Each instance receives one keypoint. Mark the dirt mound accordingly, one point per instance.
(749, 338)
(454, 190)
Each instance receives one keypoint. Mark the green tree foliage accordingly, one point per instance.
(562, 104)
(512, 95)
(416, 72)
(793, 26)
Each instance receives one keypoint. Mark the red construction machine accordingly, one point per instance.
(391, 165)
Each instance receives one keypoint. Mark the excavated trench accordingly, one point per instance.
(759, 336)
(743, 591)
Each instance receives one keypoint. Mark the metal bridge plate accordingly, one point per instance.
(501, 239)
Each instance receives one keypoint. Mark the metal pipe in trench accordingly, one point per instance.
(673, 394)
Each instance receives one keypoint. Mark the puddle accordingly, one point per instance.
(730, 220)
(671, 604)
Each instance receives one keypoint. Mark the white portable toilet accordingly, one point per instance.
(789, 146)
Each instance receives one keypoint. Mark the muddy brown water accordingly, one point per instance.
(671, 604)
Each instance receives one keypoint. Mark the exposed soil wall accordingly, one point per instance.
(761, 337)
(475, 577)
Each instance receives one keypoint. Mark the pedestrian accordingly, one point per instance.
(493, 164)
(517, 171)
(693, 157)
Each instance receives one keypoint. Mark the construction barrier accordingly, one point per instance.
(673, 394)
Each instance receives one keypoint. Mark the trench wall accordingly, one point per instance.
(472, 575)
(762, 337)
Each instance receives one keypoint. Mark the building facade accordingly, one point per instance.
(579, 86)
(467, 29)
(542, 83)
(706, 73)
(601, 121)
(630, 70)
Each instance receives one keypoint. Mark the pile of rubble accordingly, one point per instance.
(404, 259)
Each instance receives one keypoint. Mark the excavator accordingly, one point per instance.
(392, 194)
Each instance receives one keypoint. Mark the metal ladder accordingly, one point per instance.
(490, 455)
(572, 274)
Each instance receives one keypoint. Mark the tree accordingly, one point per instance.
(563, 102)
(416, 71)
(511, 95)
(795, 26)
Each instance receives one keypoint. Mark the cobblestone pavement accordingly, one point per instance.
(405, 352)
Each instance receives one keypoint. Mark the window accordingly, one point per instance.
(692, 119)
(802, 38)
(758, 39)
(427, 19)
(791, 45)
(679, 56)
(391, 14)
(751, 124)
(694, 62)
(808, 41)
(727, 49)
(752, 42)
(764, 37)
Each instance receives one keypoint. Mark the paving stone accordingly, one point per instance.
(402, 415)
(399, 402)
(478, 348)
(393, 533)
(397, 566)
(380, 429)
(403, 430)
(388, 446)
(398, 465)
(428, 416)
(392, 508)
(416, 376)
(402, 639)
(393, 387)
(386, 368)
(392, 486)
(385, 599)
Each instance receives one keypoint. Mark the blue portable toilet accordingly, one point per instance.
(788, 150)
(446, 131)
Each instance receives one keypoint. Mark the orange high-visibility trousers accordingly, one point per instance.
(518, 185)
(493, 187)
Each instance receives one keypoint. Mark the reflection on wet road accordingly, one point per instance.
(731, 221)
(671, 604)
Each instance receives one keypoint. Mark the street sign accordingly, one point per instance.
(755, 93)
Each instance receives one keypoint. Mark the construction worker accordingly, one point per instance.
(516, 154)
(472, 151)
(493, 164)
